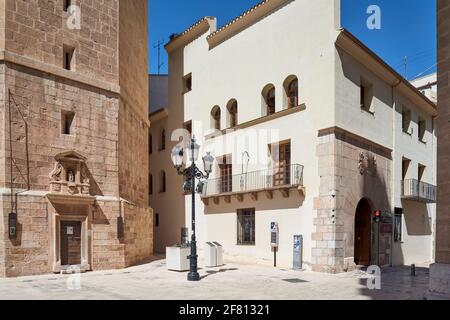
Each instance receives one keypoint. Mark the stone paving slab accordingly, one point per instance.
(229, 282)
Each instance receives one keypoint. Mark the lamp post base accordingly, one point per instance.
(193, 276)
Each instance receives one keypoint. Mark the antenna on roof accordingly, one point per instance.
(158, 46)
(405, 63)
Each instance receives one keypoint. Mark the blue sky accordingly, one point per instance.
(408, 27)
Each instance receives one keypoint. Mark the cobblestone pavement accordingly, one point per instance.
(232, 281)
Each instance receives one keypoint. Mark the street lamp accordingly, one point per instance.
(191, 173)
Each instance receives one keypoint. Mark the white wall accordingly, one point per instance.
(385, 127)
(299, 39)
(418, 229)
(240, 68)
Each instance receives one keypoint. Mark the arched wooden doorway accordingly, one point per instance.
(363, 233)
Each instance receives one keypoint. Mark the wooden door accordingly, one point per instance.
(282, 168)
(226, 175)
(70, 243)
(362, 233)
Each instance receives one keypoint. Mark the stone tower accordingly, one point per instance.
(73, 135)
(440, 271)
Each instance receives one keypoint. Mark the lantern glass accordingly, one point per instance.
(177, 156)
(208, 161)
(194, 151)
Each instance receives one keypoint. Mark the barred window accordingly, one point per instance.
(246, 227)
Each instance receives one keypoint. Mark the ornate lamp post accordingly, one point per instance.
(191, 173)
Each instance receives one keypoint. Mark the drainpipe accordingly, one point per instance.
(433, 226)
(394, 151)
(14, 196)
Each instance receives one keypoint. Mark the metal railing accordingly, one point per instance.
(260, 180)
(418, 190)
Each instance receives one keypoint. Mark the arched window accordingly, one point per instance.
(268, 95)
(291, 90)
(162, 182)
(232, 108)
(162, 142)
(215, 118)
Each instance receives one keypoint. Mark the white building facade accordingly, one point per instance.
(311, 131)
(427, 85)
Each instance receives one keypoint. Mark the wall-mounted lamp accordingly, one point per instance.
(12, 225)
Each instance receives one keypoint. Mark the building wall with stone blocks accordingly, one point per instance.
(440, 271)
(36, 29)
(133, 117)
(2, 126)
(138, 234)
(28, 254)
(343, 183)
(112, 151)
(41, 99)
(443, 207)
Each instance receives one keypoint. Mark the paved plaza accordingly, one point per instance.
(232, 281)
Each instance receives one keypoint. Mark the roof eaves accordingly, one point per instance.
(400, 78)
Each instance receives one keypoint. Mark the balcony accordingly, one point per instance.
(283, 179)
(418, 191)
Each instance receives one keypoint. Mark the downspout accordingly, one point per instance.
(10, 153)
(14, 196)
(435, 165)
(394, 151)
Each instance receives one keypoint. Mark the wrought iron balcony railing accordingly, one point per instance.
(419, 191)
(256, 181)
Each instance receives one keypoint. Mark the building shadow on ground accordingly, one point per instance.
(395, 283)
(212, 272)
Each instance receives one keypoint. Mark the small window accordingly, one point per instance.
(405, 168)
(232, 108)
(150, 184)
(66, 5)
(406, 120)
(150, 144)
(162, 182)
(67, 122)
(187, 83)
(422, 129)
(157, 220)
(68, 58)
(366, 96)
(420, 171)
(215, 118)
(268, 95)
(246, 227)
(162, 141)
(398, 227)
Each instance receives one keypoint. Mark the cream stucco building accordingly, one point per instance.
(165, 191)
(311, 130)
